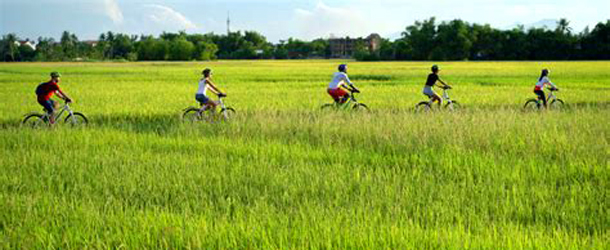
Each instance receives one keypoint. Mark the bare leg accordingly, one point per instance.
(438, 99)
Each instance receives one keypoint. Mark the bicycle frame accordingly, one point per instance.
(204, 108)
(552, 96)
(65, 108)
(445, 97)
(349, 102)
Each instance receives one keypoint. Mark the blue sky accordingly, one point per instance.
(277, 19)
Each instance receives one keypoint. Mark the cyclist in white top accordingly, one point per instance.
(204, 84)
(542, 81)
(339, 80)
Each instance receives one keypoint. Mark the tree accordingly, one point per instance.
(68, 43)
(596, 44)
(9, 48)
(453, 41)
(280, 51)
(26, 53)
(122, 46)
(181, 50)
(298, 49)
(320, 48)
(205, 51)
(420, 39)
(487, 42)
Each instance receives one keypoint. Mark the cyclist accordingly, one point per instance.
(432, 79)
(204, 84)
(45, 91)
(339, 80)
(539, 88)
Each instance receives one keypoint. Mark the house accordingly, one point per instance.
(91, 43)
(26, 42)
(346, 47)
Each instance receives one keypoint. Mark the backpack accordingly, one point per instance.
(40, 88)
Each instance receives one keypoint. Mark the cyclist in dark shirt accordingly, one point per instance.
(430, 82)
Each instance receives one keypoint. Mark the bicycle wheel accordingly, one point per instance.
(34, 121)
(227, 114)
(557, 104)
(423, 107)
(531, 105)
(453, 106)
(76, 119)
(192, 115)
(360, 107)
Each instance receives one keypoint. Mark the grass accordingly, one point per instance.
(285, 175)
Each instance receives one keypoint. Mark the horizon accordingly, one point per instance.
(303, 19)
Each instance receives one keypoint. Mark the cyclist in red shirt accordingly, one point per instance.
(45, 91)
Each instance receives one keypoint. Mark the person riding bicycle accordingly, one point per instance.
(339, 80)
(431, 81)
(204, 84)
(542, 81)
(45, 91)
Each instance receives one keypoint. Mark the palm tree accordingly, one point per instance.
(563, 26)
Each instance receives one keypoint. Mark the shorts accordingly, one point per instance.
(49, 105)
(201, 98)
(428, 91)
(337, 93)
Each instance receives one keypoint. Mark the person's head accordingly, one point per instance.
(55, 76)
(207, 72)
(435, 69)
(545, 72)
(343, 68)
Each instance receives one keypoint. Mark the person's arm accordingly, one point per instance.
(213, 88)
(444, 84)
(349, 85)
(63, 95)
(548, 81)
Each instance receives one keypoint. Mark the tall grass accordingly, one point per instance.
(283, 174)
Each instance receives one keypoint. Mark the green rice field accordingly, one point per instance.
(285, 175)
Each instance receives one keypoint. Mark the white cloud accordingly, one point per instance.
(112, 10)
(167, 17)
(324, 20)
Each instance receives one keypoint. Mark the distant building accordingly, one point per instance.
(26, 42)
(91, 43)
(346, 47)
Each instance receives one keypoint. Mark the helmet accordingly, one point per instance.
(435, 68)
(343, 67)
(206, 72)
(55, 74)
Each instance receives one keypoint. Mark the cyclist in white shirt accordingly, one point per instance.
(340, 79)
(204, 84)
(542, 81)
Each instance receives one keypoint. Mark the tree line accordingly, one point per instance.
(459, 40)
(424, 40)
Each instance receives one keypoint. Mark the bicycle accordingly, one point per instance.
(451, 105)
(350, 103)
(552, 101)
(193, 114)
(35, 119)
